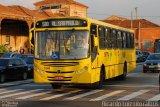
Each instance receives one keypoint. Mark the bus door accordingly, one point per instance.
(94, 46)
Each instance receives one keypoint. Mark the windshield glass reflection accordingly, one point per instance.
(62, 45)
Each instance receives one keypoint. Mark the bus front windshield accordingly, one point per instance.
(62, 44)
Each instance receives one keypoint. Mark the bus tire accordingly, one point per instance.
(2, 78)
(124, 75)
(56, 86)
(24, 75)
(99, 84)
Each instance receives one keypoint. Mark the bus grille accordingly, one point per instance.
(65, 79)
(61, 72)
(59, 64)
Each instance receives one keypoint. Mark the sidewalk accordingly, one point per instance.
(141, 63)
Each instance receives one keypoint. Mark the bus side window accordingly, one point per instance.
(132, 40)
(114, 39)
(119, 39)
(108, 38)
(101, 32)
(124, 40)
(128, 40)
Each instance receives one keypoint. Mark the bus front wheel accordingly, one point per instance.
(124, 75)
(99, 84)
(56, 86)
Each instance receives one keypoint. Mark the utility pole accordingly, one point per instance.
(131, 19)
(139, 35)
(136, 10)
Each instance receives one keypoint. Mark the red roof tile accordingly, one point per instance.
(34, 13)
(135, 23)
(45, 2)
(22, 9)
(7, 10)
(113, 17)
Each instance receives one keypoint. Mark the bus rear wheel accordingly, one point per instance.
(56, 86)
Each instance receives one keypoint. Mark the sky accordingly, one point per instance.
(102, 9)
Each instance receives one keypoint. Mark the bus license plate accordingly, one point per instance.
(59, 77)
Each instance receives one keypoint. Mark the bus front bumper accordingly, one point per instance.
(68, 78)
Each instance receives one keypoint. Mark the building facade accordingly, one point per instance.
(15, 21)
(64, 7)
(145, 31)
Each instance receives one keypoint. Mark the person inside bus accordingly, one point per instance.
(70, 41)
(84, 42)
(50, 47)
(81, 41)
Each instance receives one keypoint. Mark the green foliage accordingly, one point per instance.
(3, 48)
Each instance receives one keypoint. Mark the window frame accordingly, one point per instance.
(114, 39)
(119, 40)
(102, 44)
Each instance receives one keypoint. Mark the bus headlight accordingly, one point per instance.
(82, 70)
(40, 71)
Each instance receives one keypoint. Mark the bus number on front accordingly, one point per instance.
(45, 24)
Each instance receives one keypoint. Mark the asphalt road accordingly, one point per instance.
(138, 87)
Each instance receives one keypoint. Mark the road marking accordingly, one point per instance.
(133, 95)
(17, 82)
(9, 91)
(33, 95)
(132, 86)
(59, 95)
(142, 74)
(18, 93)
(36, 85)
(3, 89)
(155, 98)
(83, 95)
(107, 95)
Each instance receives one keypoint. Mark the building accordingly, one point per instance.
(65, 7)
(145, 31)
(15, 21)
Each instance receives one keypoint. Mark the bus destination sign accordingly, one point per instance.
(61, 23)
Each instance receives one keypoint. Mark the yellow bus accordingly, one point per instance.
(81, 51)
